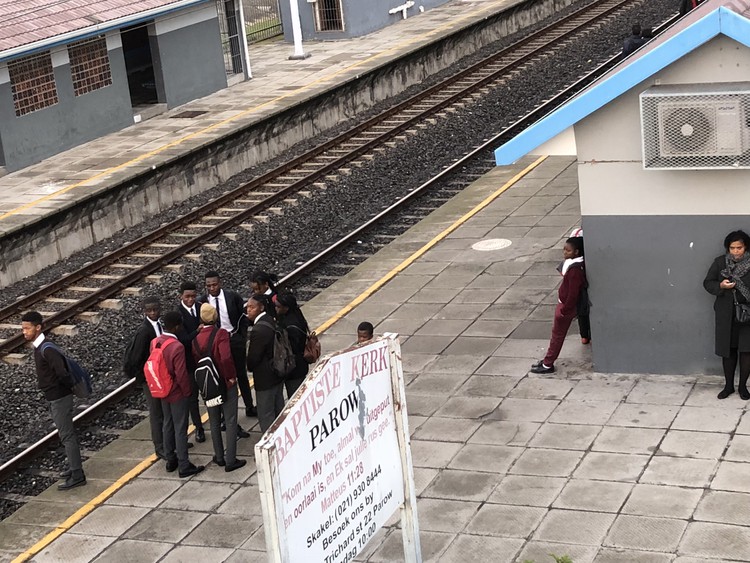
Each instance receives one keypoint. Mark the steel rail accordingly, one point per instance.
(96, 297)
(33, 451)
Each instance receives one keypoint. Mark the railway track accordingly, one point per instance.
(245, 206)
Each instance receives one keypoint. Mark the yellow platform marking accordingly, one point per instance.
(396, 47)
(146, 463)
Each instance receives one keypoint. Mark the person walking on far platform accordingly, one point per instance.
(633, 42)
(574, 280)
(55, 382)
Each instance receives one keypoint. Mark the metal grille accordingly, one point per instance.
(230, 39)
(32, 81)
(89, 65)
(693, 126)
(328, 16)
(262, 20)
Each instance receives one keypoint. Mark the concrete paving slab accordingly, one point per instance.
(110, 521)
(739, 449)
(134, 551)
(433, 545)
(512, 367)
(432, 383)
(708, 541)
(468, 311)
(565, 436)
(525, 410)
(146, 493)
(644, 415)
(662, 500)
(707, 419)
(487, 386)
(245, 503)
(457, 364)
(191, 553)
(629, 440)
(425, 405)
(505, 433)
(468, 407)
(49, 513)
(542, 551)
(527, 490)
(546, 388)
(646, 533)
(203, 496)
(433, 454)
(447, 429)
(483, 548)
(162, 525)
(223, 530)
(614, 555)
(611, 467)
(593, 496)
(483, 457)
(660, 392)
(705, 396)
(681, 443)
(551, 463)
(427, 344)
(602, 388)
(445, 515)
(473, 346)
(677, 471)
(722, 507)
(730, 477)
(583, 412)
(462, 485)
(506, 520)
(574, 526)
(74, 549)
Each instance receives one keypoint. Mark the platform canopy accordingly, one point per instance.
(710, 19)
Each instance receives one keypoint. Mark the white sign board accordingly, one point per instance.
(336, 464)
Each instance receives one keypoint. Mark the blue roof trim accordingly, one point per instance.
(719, 21)
(86, 33)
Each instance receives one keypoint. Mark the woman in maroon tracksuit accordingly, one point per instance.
(574, 280)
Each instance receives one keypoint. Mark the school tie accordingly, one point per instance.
(218, 311)
(158, 328)
(192, 311)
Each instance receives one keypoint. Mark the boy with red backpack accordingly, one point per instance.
(168, 379)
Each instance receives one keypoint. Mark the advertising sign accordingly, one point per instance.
(336, 465)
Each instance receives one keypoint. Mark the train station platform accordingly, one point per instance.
(509, 466)
(50, 207)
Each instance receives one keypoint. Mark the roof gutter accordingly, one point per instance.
(94, 30)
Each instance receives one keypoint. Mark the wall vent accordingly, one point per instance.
(696, 126)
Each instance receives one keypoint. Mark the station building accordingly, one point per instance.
(74, 70)
(663, 154)
(339, 19)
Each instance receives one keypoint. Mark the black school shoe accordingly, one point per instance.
(192, 470)
(242, 433)
(236, 465)
(200, 435)
(171, 466)
(539, 367)
(251, 412)
(72, 482)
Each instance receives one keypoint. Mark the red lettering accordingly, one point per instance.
(374, 362)
(355, 368)
(383, 358)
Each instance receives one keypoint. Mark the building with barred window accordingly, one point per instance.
(74, 70)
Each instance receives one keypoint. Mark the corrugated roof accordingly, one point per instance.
(26, 22)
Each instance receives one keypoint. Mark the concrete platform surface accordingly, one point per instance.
(509, 466)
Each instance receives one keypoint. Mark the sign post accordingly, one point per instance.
(336, 464)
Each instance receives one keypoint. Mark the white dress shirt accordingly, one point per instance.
(226, 324)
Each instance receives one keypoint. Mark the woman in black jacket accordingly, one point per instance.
(290, 317)
(728, 279)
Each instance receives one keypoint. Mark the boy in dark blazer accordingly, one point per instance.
(191, 324)
(135, 358)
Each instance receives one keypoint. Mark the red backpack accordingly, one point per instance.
(157, 374)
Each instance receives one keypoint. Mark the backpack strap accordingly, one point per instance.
(207, 351)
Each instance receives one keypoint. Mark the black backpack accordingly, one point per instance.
(283, 361)
(210, 383)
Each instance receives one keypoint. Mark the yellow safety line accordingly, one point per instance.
(87, 508)
(390, 275)
(181, 140)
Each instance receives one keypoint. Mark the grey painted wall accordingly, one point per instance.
(650, 312)
(360, 17)
(73, 120)
(189, 61)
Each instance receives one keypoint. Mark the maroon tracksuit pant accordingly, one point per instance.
(560, 326)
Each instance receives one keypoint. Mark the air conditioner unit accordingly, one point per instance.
(696, 126)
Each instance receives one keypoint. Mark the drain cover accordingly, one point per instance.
(189, 114)
(491, 244)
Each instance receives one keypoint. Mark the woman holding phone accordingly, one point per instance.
(728, 279)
